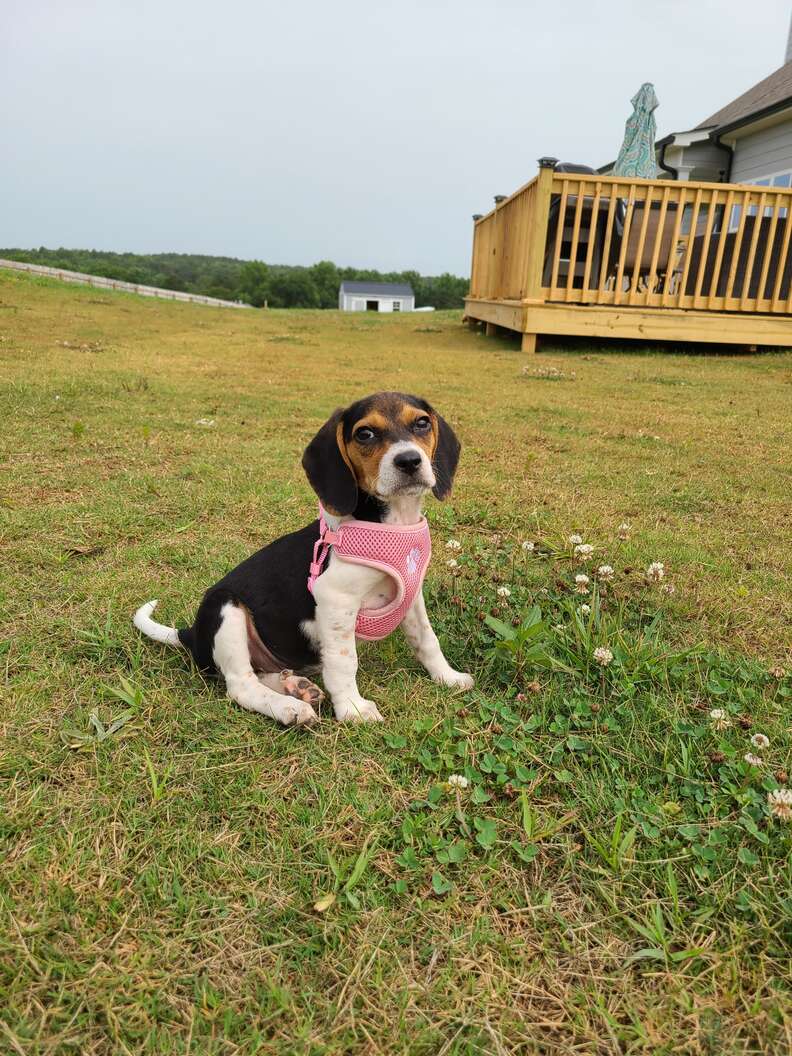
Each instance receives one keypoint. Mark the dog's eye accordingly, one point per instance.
(365, 435)
(420, 425)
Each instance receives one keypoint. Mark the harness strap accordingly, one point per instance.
(327, 538)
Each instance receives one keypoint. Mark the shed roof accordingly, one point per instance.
(400, 289)
(769, 93)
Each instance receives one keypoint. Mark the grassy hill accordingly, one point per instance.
(196, 879)
(279, 285)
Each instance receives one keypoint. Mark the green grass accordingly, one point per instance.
(180, 876)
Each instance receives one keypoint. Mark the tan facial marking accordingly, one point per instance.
(373, 419)
(365, 461)
(342, 446)
(428, 441)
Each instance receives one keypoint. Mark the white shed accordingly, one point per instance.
(376, 297)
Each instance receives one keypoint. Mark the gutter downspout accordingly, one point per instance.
(729, 151)
(662, 163)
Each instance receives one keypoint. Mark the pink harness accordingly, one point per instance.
(402, 551)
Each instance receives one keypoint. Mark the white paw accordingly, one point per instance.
(455, 679)
(295, 713)
(359, 710)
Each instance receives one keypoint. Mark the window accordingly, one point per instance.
(764, 182)
(397, 306)
(779, 179)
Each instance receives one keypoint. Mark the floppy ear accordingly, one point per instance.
(328, 473)
(445, 459)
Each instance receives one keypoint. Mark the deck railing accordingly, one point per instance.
(601, 240)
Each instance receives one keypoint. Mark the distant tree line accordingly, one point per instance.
(257, 283)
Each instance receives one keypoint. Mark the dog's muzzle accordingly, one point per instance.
(405, 469)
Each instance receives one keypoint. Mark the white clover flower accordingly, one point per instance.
(605, 573)
(720, 720)
(457, 781)
(668, 588)
(559, 628)
(603, 655)
(583, 551)
(752, 760)
(655, 572)
(452, 563)
(504, 592)
(780, 804)
(575, 540)
(778, 672)
(585, 610)
(624, 530)
(453, 544)
(760, 741)
(582, 584)
(528, 547)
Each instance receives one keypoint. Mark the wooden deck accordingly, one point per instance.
(661, 260)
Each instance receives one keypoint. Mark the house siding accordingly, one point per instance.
(708, 161)
(762, 153)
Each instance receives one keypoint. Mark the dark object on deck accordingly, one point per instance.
(588, 228)
(574, 166)
(744, 284)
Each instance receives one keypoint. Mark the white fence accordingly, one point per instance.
(117, 284)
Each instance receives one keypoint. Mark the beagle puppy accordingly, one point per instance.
(374, 462)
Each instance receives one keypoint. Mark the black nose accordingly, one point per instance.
(407, 461)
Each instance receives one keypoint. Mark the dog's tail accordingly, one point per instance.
(158, 631)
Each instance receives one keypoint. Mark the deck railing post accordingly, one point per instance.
(474, 259)
(537, 229)
(537, 239)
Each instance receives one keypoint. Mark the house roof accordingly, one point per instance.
(767, 94)
(399, 288)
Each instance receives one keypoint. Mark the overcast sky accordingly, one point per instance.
(362, 132)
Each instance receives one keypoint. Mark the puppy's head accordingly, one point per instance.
(385, 445)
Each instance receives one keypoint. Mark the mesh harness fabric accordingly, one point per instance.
(400, 551)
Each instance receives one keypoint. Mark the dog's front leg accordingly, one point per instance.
(419, 633)
(338, 594)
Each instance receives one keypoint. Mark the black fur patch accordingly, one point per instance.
(273, 585)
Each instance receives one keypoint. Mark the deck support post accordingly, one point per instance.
(528, 343)
(491, 330)
(473, 324)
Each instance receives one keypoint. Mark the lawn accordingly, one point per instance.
(180, 876)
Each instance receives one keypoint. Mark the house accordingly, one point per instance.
(376, 297)
(749, 140)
